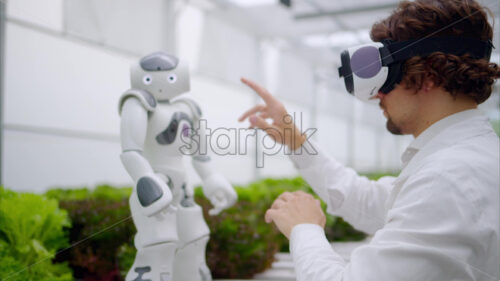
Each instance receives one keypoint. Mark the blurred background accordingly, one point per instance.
(66, 63)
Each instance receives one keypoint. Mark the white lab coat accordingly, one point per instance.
(439, 220)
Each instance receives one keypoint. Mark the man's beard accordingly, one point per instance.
(391, 127)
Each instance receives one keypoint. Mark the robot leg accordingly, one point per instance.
(156, 242)
(190, 263)
(153, 263)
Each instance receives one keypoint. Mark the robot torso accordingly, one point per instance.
(169, 129)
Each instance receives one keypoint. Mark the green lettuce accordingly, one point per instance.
(32, 230)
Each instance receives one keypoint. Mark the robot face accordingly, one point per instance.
(160, 74)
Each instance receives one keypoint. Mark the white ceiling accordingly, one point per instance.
(308, 24)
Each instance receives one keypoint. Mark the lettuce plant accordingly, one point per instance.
(32, 229)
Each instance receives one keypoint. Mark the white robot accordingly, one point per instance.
(156, 125)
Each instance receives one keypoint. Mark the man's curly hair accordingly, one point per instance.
(459, 75)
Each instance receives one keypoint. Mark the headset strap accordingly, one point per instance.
(400, 51)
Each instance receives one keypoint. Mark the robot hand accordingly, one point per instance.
(220, 193)
(153, 193)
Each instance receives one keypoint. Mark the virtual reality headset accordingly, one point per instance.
(377, 67)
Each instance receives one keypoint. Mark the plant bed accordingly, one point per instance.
(101, 232)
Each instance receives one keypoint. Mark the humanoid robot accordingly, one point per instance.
(157, 127)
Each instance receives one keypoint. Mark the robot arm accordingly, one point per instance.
(215, 186)
(152, 191)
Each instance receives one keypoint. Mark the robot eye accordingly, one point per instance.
(172, 78)
(147, 79)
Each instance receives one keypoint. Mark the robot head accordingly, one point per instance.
(160, 74)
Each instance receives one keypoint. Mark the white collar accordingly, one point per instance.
(435, 129)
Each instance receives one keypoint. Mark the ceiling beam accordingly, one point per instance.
(356, 10)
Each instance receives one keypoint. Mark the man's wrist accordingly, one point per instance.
(305, 225)
(297, 142)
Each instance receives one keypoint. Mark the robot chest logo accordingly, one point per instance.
(169, 135)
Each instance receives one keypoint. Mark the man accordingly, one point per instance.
(439, 219)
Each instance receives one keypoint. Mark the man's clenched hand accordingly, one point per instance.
(291, 209)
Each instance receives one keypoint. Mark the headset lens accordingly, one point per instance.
(365, 62)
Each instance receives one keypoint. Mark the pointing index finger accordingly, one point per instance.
(262, 92)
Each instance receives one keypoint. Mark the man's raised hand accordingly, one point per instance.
(282, 129)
